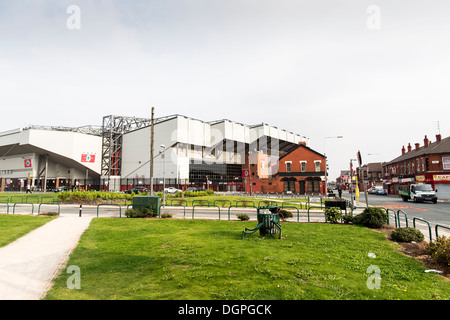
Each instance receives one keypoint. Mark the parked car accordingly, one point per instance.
(193, 189)
(60, 189)
(136, 190)
(372, 190)
(381, 191)
(171, 190)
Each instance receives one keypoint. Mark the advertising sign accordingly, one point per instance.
(441, 177)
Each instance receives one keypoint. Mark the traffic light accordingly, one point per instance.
(427, 164)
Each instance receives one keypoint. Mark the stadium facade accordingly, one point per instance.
(116, 155)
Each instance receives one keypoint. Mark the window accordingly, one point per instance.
(289, 185)
(303, 166)
(317, 165)
(446, 163)
(423, 164)
(288, 166)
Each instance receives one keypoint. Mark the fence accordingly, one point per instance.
(400, 218)
(398, 224)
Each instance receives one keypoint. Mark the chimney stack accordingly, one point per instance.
(426, 142)
(417, 146)
(409, 147)
(438, 137)
(403, 150)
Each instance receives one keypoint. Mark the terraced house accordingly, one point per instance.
(429, 163)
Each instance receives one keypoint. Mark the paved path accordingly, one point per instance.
(28, 264)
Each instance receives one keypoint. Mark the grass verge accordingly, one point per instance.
(197, 259)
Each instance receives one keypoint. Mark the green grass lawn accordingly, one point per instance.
(13, 227)
(198, 259)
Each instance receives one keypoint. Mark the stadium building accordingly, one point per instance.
(116, 155)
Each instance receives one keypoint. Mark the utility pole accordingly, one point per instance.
(152, 141)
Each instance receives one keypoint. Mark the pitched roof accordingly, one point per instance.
(436, 147)
(298, 146)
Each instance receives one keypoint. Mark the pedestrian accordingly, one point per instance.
(340, 192)
(28, 189)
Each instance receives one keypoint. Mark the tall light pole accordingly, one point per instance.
(325, 156)
(152, 141)
(351, 181)
(163, 154)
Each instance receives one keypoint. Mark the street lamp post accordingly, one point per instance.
(163, 154)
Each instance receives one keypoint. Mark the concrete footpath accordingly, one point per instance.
(28, 265)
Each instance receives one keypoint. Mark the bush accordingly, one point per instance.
(439, 251)
(166, 215)
(133, 213)
(347, 219)
(147, 212)
(407, 235)
(371, 217)
(50, 214)
(243, 217)
(92, 196)
(333, 214)
(198, 193)
(284, 214)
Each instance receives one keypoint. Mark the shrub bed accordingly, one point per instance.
(371, 217)
(141, 213)
(407, 235)
(243, 217)
(439, 251)
(284, 214)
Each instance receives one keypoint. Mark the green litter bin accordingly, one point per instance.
(141, 202)
(268, 222)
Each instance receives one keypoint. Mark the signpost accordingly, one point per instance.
(362, 177)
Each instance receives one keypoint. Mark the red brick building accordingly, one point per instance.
(429, 163)
(300, 171)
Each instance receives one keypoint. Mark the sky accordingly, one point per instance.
(375, 72)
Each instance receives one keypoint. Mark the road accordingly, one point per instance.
(438, 213)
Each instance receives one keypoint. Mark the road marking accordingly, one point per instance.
(393, 205)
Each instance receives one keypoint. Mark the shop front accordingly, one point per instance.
(442, 185)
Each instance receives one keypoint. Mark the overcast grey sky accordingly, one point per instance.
(375, 72)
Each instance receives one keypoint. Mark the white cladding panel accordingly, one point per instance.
(193, 132)
(135, 153)
(72, 145)
(136, 150)
(16, 166)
